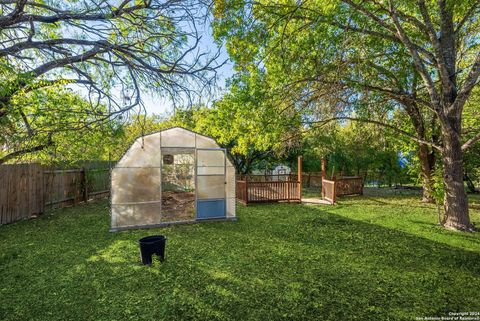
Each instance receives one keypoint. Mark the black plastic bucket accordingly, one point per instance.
(150, 245)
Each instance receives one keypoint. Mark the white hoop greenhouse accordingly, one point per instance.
(173, 176)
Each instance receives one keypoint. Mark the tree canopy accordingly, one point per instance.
(111, 52)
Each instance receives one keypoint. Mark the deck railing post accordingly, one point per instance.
(323, 176)
(246, 189)
(299, 174)
(361, 189)
(334, 192)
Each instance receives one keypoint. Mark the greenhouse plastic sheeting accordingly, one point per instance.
(172, 176)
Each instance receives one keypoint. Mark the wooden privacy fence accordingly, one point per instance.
(349, 186)
(21, 192)
(71, 186)
(312, 179)
(28, 190)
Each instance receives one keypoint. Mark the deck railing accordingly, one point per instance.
(277, 188)
(270, 191)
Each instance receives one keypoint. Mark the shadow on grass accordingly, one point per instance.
(276, 262)
(387, 200)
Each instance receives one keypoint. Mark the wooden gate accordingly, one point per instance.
(341, 187)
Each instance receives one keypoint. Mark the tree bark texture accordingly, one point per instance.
(456, 201)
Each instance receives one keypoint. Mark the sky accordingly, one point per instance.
(160, 106)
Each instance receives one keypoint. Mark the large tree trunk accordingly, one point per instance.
(426, 167)
(427, 159)
(456, 201)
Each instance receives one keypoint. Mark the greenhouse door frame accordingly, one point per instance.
(205, 206)
(178, 151)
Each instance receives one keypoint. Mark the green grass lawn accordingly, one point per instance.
(367, 258)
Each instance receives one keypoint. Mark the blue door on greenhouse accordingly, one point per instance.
(211, 183)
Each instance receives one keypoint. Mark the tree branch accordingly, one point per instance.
(441, 65)
(470, 83)
(469, 143)
(379, 123)
(470, 13)
(67, 61)
(48, 44)
(418, 63)
(25, 151)
(17, 18)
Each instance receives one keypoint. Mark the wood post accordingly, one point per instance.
(334, 192)
(84, 185)
(299, 173)
(323, 176)
(40, 188)
(246, 189)
(288, 186)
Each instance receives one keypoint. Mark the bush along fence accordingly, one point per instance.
(28, 190)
